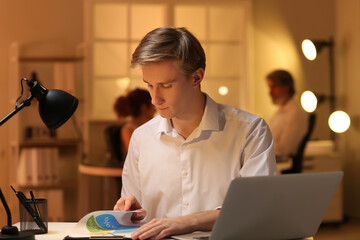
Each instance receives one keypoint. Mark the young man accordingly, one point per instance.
(290, 122)
(180, 164)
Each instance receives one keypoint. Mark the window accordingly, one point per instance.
(115, 28)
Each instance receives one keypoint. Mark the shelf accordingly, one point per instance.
(100, 171)
(45, 153)
(51, 59)
(61, 185)
(50, 143)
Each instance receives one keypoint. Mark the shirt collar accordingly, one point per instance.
(209, 121)
(164, 126)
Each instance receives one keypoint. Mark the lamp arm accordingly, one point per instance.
(26, 103)
(6, 207)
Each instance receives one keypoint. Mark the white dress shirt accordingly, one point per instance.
(288, 126)
(171, 176)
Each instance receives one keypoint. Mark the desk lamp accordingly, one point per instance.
(55, 108)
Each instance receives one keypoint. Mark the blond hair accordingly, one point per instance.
(169, 43)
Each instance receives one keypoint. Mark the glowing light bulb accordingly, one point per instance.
(309, 49)
(339, 121)
(308, 101)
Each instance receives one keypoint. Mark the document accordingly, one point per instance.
(105, 224)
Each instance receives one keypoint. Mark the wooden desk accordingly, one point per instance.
(56, 230)
(59, 230)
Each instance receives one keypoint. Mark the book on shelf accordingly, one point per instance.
(38, 166)
(35, 158)
(48, 167)
(23, 168)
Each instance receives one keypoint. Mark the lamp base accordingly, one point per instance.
(22, 235)
(12, 232)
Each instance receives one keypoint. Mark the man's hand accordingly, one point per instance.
(159, 228)
(130, 203)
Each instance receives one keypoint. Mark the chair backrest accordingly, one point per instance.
(114, 144)
(297, 163)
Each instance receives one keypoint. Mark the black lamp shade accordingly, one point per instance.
(57, 107)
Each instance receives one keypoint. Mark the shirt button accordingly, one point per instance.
(186, 203)
(185, 173)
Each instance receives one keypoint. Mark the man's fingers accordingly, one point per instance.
(138, 216)
(119, 206)
(131, 203)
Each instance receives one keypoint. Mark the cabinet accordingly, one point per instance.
(321, 157)
(31, 153)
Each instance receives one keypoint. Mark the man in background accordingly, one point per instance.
(289, 124)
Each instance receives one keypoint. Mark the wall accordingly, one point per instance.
(348, 85)
(42, 28)
(279, 27)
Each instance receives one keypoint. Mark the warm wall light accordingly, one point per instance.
(310, 49)
(339, 121)
(308, 101)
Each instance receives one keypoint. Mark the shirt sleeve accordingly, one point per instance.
(258, 156)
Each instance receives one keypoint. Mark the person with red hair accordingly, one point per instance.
(136, 106)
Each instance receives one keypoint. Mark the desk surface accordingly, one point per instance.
(56, 230)
(59, 230)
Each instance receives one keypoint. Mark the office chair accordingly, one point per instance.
(113, 142)
(115, 158)
(297, 159)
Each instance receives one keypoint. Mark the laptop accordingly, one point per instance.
(289, 206)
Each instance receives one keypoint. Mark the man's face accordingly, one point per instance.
(279, 94)
(170, 90)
